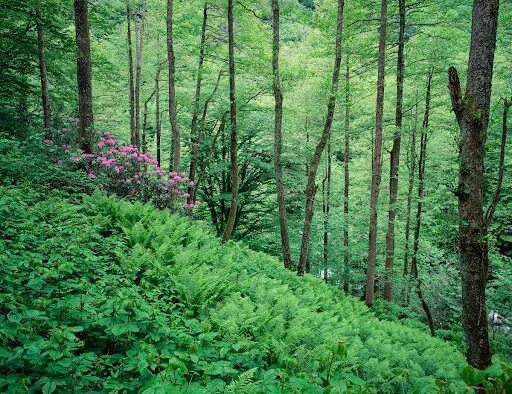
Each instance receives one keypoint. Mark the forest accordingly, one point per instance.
(255, 196)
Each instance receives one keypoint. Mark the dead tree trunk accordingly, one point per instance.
(395, 157)
(42, 71)
(346, 160)
(131, 89)
(278, 144)
(233, 150)
(421, 188)
(377, 160)
(315, 160)
(174, 162)
(83, 73)
(472, 113)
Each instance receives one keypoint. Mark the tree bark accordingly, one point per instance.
(472, 113)
(278, 144)
(43, 71)
(377, 160)
(139, 44)
(131, 89)
(412, 171)
(395, 157)
(326, 208)
(158, 117)
(83, 73)
(315, 160)
(176, 139)
(233, 150)
(194, 138)
(346, 189)
(421, 188)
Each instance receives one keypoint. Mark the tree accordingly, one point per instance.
(42, 70)
(131, 88)
(315, 160)
(233, 150)
(377, 159)
(174, 163)
(472, 114)
(83, 73)
(346, 187)
(139, 43)
(395, 156)
(278, 143)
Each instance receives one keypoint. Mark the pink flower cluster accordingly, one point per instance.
(125, 171)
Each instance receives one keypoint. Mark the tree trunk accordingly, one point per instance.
(84, 78)
(412, 170)
(158, 117)
(326, 207)
(174, 163)
(233, 150)
(346, 156)
(395, 158)
(472, 112)
(278, 144)
(139, 43)
(131, 88)
(145, 121)
(315, 160)
(42, 71)
(194, 138)
(421, 188)
(377, 160)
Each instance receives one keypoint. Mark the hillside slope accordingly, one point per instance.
(107, 296)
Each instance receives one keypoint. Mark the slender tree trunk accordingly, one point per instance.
(278, 144)
(315, 160)
(145, 121)
(194, 138)
(139, 44)
(377, 160)
(131, 88)
(346, 189)
(412, 170)
(42, 71)
(233, 150)
(158, 117)
(83, 73)
(472, 113)
(421, 188)
(395, 158)
(176, 139)
(326, 207)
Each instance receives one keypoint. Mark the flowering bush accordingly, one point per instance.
(126, 172)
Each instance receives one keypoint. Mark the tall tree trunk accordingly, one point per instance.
(411, 164)
(472, 113)
(326, 207)
(131, 89)
(421, 188)
(315, 160)
(377, 160)
(278, 144)
(83, 73)
(346, 160)
(176, 139)
(158, 117)
(139, 44)
(194, 137)
(233, 150)
(395, 157)
(42, 71)
(145, 121)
